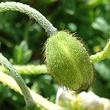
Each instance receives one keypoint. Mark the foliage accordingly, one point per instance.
(18, 33)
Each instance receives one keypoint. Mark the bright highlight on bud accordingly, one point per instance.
(68, 61)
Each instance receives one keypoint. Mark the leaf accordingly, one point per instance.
(100, 88)
(72, 27)
(101, 25)
(69, 6)
(22, 54)
(94, 3)
(103, 68)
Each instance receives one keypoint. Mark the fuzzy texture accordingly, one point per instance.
(103, 54)
(68, 61)
(31, 12)
(13, 72)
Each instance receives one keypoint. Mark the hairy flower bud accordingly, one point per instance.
(68, 61)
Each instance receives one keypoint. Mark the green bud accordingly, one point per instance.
(68, 61)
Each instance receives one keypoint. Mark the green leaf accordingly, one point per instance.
(103, 68)
(69, 6)
(101, 25)
(94, 3)
(72, 27)
(100, 88)
(22, 54)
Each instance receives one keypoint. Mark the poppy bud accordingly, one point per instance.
(68, 61)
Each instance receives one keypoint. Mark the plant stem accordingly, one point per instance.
(28, 69)
(101, 55)
(28, 98)
(32, 13)
(42, 102)
(38, 69)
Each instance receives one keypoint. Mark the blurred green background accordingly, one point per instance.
(22, 40)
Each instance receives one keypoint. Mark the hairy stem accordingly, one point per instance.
(101, 55)
(42, 102)
(28, 69)
(32, 13)
(28, 98)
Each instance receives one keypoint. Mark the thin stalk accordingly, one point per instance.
(28, 69)
(32, 13)
(28, 98)
(42, 102)
(101, 55)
